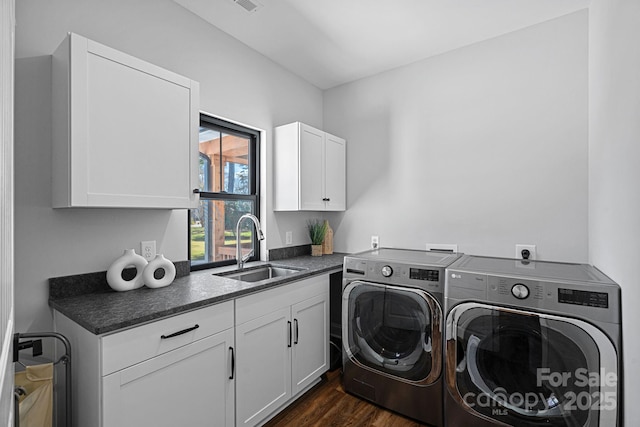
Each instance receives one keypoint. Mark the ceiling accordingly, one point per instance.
(331, 42)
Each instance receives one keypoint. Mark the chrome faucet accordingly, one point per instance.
(241, 259)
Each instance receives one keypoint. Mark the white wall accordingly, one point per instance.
(235, 82)
(614, 156)
(484, 147)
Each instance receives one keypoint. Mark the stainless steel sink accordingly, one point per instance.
(263, 272)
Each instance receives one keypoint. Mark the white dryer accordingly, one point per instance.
(531, 343)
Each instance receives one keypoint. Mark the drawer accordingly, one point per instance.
(265, 302)
(126, 348)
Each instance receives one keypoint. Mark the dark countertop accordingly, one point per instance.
(107, 311)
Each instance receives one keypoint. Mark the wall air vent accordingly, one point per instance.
(248, 5)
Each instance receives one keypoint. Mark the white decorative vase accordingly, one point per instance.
(114, 274)
(159, 263)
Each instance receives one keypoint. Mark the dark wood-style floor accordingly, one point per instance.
(327, 404)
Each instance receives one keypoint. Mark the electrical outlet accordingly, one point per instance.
(148, 249)
(523, 250)
(375, 242)
(289, 237)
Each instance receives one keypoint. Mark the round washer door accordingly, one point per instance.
(525, 368)
(393, 330)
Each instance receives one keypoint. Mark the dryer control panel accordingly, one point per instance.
(424, 274)
(597, 302)
(429, 278)
(586, 298)
(519, 289)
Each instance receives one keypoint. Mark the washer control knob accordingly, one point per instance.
(520, 291)
(387, 271)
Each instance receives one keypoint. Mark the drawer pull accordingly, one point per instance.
(184, 331)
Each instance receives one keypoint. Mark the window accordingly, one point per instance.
(228, 189)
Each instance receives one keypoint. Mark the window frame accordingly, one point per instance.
(253, 136)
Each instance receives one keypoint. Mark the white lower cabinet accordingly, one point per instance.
(236, 363)
(176, 371)
(282, 341)
(189, 386)
(310, 347)
(264, 366)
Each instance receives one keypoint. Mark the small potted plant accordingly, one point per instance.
(317, 230)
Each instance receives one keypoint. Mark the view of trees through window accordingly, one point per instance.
(228, 189)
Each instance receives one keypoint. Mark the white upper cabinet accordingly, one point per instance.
(310, 169)
(125, 132)
(335, 155)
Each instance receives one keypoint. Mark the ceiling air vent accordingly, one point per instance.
(248, 5)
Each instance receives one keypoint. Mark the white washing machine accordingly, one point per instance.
(531, 343)
(392, 320)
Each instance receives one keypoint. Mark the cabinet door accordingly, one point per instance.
(189, 386)
(129, 122)
(310, 357)
(311, 169)
(263, 381)
(335, 172)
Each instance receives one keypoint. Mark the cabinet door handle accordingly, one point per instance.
(233, 363)
(196, 191)
(295, 322)
(184, 331)
(289, 325)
